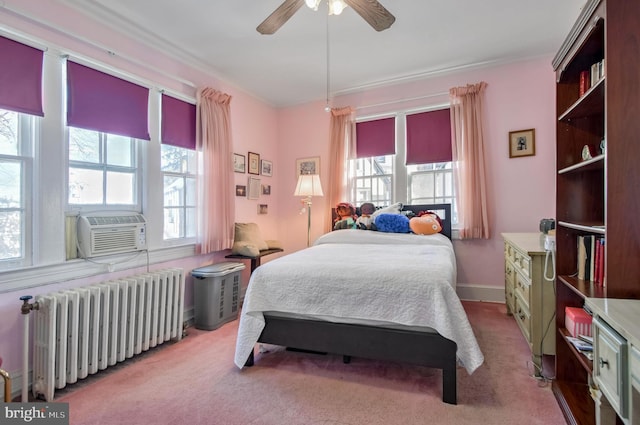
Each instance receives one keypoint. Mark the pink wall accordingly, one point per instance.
(521, 190)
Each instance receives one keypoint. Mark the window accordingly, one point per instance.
(102, 169)
(432, 184)
(383, 180)
(17, 133)
(373, 180)
(179, 170)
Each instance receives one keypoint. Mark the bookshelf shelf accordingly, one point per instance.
(599, 229)
(594, 164)
(583, 288)
(589, 104)
(583, 360)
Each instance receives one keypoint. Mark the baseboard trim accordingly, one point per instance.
(469, 292)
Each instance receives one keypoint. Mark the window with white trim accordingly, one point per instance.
(17, 136)
(386, 179)
(179, 177)
(103, 170)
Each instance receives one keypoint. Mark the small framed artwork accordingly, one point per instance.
(266, 168)
(254, 163)
(263, 208)
(241, 190)
(254, 188)
(266, 189)
(239, 165)
(308, 166)
(522, 143)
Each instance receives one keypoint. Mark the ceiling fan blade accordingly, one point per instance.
(372, 12)
(279, 16)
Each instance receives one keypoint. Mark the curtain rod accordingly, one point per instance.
(393, 102)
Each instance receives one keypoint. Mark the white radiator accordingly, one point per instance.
(81, 331)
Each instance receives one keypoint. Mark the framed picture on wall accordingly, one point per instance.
(308, 166)
(254, 163)
(522, 143)
(254, 188)
(266, 168)
(239, 165)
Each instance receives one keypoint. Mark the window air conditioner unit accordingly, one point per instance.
(111, 233)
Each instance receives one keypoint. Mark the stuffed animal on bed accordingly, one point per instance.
(346, 216)
(365, 220)
(426, 223)
(391, 223)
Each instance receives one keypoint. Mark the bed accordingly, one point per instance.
(340, 296)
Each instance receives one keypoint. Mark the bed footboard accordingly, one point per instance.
(408, 346)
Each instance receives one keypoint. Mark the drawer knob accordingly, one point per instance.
(603, 363)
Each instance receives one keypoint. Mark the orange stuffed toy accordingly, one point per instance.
(425, 223)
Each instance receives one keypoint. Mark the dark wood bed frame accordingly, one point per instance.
(428, 349)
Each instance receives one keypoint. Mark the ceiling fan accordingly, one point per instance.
(370, 10)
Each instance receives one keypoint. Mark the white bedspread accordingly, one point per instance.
(357, 276)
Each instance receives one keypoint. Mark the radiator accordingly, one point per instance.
(81, 331)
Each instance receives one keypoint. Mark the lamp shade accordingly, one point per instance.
(308, 185)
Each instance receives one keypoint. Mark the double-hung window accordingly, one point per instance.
(179, 171)
(17, 133)
(20, 109)
(404, 158)
(106, 119)
(373, 171)
(178, 164)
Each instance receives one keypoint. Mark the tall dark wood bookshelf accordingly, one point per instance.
(599, 196)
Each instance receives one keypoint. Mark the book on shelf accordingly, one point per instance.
(585, 82)
(580, 344)
(591, 258)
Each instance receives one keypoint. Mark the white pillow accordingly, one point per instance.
(391, 209)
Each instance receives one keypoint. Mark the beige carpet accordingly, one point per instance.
(195, 381)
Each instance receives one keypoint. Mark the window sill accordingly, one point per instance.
(32, 277)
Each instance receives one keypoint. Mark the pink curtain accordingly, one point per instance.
(215, 180)
(467, 140)
(342, 129)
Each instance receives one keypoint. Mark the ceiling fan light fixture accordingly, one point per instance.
(336, 6)
(313, 4)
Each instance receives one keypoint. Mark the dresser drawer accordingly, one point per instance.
(523, 318)
(610, 365)
(510, 296)
(523, 289)
(509, 252)
(522, 263)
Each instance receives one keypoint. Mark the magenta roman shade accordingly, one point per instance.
(376, 137)
(20, 77)
(429, 137)
(178, 123)
(101, 102)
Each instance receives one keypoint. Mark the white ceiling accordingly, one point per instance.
(290, 67)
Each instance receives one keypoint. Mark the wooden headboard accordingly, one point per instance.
(443, 211)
